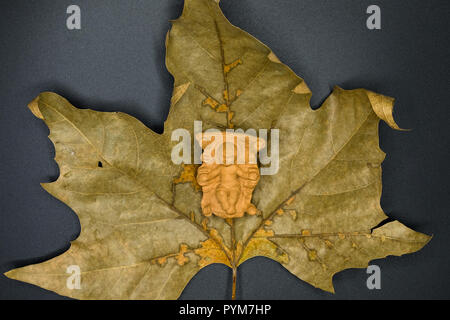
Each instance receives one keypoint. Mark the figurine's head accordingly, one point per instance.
(229, 147)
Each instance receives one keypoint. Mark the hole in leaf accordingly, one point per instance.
(382, 223)
(100, 164)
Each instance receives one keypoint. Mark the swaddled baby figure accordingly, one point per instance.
(227, 186)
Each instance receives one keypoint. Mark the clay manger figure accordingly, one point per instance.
(229, 173)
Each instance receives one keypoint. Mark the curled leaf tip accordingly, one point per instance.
(383, 106)
(34, 108)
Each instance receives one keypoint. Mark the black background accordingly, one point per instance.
(116, 63)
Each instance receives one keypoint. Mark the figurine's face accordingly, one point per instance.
(229, 148)
(228, 152)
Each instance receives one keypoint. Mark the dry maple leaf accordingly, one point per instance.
(143, 235)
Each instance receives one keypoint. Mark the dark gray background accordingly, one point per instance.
(116, 63)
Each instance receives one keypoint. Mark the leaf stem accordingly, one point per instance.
(233, 258)
(233, 295)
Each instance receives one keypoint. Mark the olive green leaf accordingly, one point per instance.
(143, 235)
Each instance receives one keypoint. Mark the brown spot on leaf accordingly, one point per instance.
(306, 232)
(162, 261)
(211, 252)
(264, 233)
(205, 224)
(312, 255)
(228, 67)
(293, 214)
(181, 258)
(328, 243)
(290, 200)
(263, 247)
(222, 108)
(211, 103)
(188, 175)
(226, 95)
